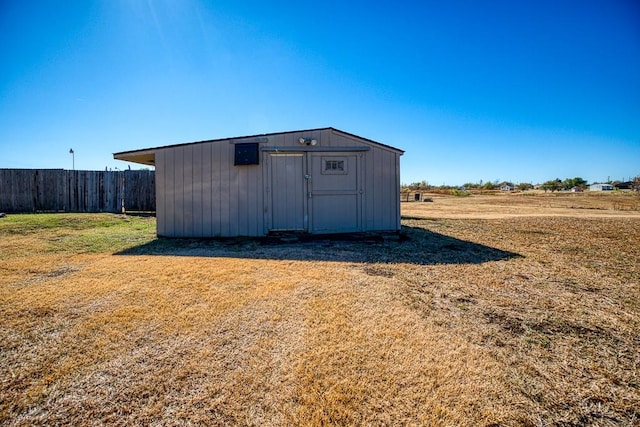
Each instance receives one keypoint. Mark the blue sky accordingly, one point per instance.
(524, 91)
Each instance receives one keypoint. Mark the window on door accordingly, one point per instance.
(334, 166)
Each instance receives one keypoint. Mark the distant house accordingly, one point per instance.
(600, 187)
(576, 189)
(624, 185)
(507, 186)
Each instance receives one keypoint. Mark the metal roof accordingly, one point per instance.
(146, 156)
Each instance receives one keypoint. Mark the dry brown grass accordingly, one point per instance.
(530, 320)
(530, 203)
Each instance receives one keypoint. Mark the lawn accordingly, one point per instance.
(466, 320)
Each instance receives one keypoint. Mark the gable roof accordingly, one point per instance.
(146, 156)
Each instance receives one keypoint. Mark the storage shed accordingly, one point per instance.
(316, 181)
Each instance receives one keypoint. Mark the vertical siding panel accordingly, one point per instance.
(397, 203)
(381, 190)
(324, 139)
(178, 192)
(173, 201)
(256, 200)
(394, 195)
(206, 190)
(294, 198)
(196, 185)
(278, 140)
(361, 193)
(188, 185)
(234, 192)
(379, 171)
(248, 212)
(378, 189)
(266, 193)
(288, 139)
(161, 187)
(252, 212)
(370, 188)
(387, 196)
(170, 167)
(242, 198)
(225, 188)
(389, 200)
(216, 190)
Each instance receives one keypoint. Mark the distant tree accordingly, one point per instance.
(579, 182)
(523, 186)
(552, 185)
(574, 182)
(488, 186)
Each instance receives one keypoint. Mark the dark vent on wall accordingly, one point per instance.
(246, 154)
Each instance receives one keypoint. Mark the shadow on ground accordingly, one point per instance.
(413, 245)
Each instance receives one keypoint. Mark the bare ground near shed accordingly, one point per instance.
(521, 320)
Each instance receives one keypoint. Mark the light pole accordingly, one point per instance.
(73, 158)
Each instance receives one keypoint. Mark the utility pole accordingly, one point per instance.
(73, 159)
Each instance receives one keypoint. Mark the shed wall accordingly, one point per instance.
(200, 193)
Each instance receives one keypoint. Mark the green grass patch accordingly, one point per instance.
(81, 233)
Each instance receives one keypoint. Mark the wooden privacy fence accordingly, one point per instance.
(58, 190)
